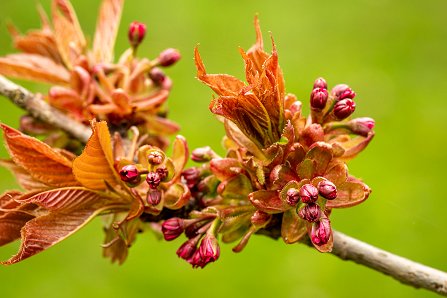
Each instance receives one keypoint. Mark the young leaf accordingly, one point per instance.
(106, 29)
(43, 232)
(34, 68)
(42, 162)
(95, 165)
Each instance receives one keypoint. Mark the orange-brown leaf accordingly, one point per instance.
(106, 29)
(43, 232)
(25, 180)
(67, 199)
(33, 67)
(12, 220)
(222, 84)
(94, 166)
(180, 154)
(67, 31)
(42, 162)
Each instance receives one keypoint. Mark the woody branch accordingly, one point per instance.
(345, 247)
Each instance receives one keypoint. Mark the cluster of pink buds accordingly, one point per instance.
(155, 173)
(334, 106)
(202, 246)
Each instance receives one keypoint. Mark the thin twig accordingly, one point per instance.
(345, 247)
(41, 110)
(401, 269)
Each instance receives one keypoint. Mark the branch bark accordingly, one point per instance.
(401, 269)
(345, 247)
(39, 109)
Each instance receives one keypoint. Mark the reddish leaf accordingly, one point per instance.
(236, 135)
(42, 162)
(43, 232)
(293, 227)
(222, 84)
(306, 169)
(337, 173)
(321, 154)
(106, 29)
(25, 180)
(225, 168)
(356, 145)
(282, 174)
(350, 193)
(67, 31)
(66, 199)
(94, 166)
(33, 67)
(268, 201)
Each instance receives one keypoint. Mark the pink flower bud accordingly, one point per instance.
(320, 83)
(155, 158)
(196, 259)
(153, 179)
(191, 177)
(168, 57)
(308, 193)
(130, 174)
(153, 197)
(172, 228)
(318, 98)
(361, 126)
(203, 154)
(260, 218)
(160, 79)
(295, 107)
(310, 212)
(187, 250)
(293, 196)
(344, 108)
(327, 189)
(321, 231)
(209, 249)
(136, 33)
(338, 90)
(162, 172)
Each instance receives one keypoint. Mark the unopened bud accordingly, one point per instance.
(310, 212)
(136, 33)
(153, 179)
(172, 228)
(168, 57)
(155, 158)
(203, 154)
(153, 197)
(293, 196)
(187, 250)
(320, 83)
(308, 193)
(130, 174)
(160, 79)
(318, 98)
(191, 176)
(162, 172)
(327, 189)
(209, 249)
(321, 231)
(361, 126)
(339, 90)
(344, 108)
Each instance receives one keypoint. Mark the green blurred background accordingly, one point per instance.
(393, 53)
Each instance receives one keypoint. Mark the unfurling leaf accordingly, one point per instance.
(40, 161)
(106, 29)
(94, 166)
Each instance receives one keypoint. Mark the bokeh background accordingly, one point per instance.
(393, 53)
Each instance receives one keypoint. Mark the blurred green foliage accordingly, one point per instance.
(393, 54)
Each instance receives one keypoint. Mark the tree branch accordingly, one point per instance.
(345, 247)
(401, 269)
(41, 110)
